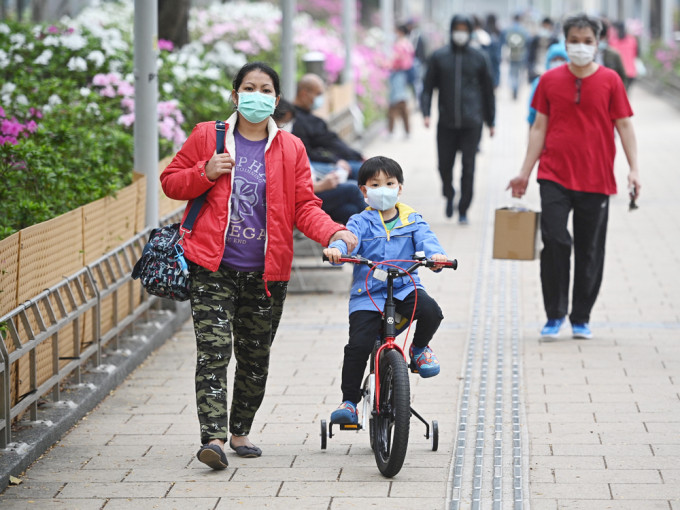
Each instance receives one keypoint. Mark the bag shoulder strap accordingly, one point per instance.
(196, 205)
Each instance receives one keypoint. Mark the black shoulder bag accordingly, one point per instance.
(162, 269)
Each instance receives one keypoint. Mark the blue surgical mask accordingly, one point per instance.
(318, 102)
(382, 198)
(255, 106)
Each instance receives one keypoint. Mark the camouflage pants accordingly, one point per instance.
(230, 304)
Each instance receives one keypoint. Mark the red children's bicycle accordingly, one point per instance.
(386, 391)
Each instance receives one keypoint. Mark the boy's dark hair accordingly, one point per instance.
(582, 21)
(259, 66)
(373, 166)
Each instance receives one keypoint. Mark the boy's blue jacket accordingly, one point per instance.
(410, 234)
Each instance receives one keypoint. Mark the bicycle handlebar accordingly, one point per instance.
(420, 261)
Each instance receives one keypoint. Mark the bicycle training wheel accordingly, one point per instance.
(391, 422)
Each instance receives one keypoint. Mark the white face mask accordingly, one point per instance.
(382, 198)
(581, 54)
(460, 37)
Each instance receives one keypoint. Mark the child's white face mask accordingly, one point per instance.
(382, 198)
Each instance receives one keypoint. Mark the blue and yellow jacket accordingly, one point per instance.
(409, 235)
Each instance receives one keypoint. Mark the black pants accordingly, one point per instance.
(364, 330)
(591, 211)
(449, 142)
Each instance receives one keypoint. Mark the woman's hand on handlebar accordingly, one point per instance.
(333, 255)
(438, 257)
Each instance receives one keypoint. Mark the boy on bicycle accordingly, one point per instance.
(387, 230)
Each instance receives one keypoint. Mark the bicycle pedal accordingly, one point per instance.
(413, 367)
(349, 426)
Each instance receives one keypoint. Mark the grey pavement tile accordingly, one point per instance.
(79, 438)
(544, 504)
(546, 417)
(671, 475)
(640, 462)
(562, 438)
(408, 489)
(219, 486)
(286, 474)
(541, 475)
(197, 503)
(663, 450)
(651, 491)
(608, 417)
(407, 474)
(140, 420)
(613, 407)
(639, 503)
(115, 490)
(424, 503)
(569, 476)
(557, 491)
(31, 490)
(275, 503)
(47, 472)
(53, 504)
(336, 489)
(641, 438)
(567, 462)
(597, 428)
(641, 450)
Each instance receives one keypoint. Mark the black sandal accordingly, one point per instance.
(245, 451)
(213, 456)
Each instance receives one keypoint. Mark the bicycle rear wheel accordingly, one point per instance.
(391, 422)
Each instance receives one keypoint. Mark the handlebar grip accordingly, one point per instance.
(454, 264)
(324, 258)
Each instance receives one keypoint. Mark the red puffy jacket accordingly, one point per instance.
(290, 198)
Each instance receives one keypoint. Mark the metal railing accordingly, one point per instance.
(44, 317)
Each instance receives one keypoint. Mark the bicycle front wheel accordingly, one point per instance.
(391, 421)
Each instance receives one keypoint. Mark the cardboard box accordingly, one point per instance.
(516, 234)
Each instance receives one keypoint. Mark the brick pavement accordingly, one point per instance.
(600, 419)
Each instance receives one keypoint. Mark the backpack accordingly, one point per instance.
(516, 41)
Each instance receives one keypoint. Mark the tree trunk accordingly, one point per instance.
(173, 21)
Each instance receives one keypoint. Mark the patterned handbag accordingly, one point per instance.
(162, 269)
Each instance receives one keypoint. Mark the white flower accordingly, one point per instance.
(180, 73)
(4, 29)
(18, 59)
(21, 100)
(92, 108)
(8, 88)
(97, 58)
(54, 100)
(17, 40)
(44, 58)
(73, 41)
(168, 88)
(213, 73)
(84, 91)
(4, 59)
(51, 40)
(77, 64)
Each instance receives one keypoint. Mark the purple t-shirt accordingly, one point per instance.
(244, 249)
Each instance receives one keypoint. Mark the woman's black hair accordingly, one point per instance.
(257, 66)
(373, 166)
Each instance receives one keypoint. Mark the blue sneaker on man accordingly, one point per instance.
(345, 414)
(581, 330)
(423, 361)
(552, 328)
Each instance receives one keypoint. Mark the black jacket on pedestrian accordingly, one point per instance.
(322, 144)
(463, 77)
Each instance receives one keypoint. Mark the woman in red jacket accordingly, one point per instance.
(240, 251)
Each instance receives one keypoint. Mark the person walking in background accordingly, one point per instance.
(400, 65)
(516, 39)
(415, 74)
(480, 39)
(240, 252)
(462, 76)
(627, 46)
(608, 56)
(495, 48)
(538, 48)
(556, 56)
(578, 106)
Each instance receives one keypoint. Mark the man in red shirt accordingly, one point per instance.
(578, 106)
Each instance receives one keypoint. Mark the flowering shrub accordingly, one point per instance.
(665, 58)
(67, 94)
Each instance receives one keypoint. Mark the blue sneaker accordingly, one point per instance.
(345, 414)
(552, 328)
(424, 363)
(463, 220)
(581, 330)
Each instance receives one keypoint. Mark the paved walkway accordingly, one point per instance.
(570, 424)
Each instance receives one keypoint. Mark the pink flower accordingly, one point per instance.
(164, 44)
(128, 104)
(126, 89)
(107, 91)
(127, 120)
(52, 30)
(31, 126)
(246, 47)
(12, 127)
